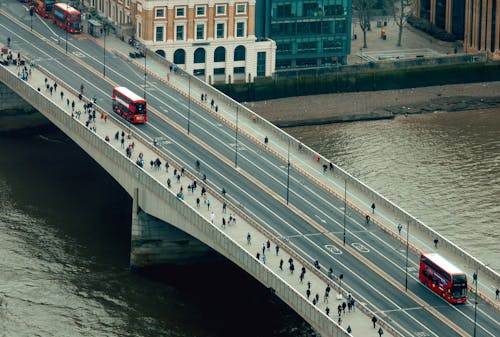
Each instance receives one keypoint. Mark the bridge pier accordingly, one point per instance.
(154, 242)
(16, 115)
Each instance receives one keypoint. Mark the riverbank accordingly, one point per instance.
(372, 105)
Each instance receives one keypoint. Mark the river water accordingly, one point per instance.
(65, 230)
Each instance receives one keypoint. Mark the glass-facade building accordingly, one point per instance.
(308, 33)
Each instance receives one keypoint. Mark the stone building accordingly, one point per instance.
(477, 22)
(213, 40)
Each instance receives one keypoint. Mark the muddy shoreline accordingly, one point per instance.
(359, 106)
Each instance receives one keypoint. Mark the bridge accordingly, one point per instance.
(277, 191)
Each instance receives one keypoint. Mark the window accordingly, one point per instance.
(180, 12)
(200, 11)
(128, 18)
(220, 54)
(199, 55)
(239, 53)
(127, 3)
(159, 33)
(139, 29)
(220, 30)
(179, 33)
(160, 13)
(306, 47)
(240, 29)
(220, 10)
(239, 70)
(261, 63)
(200, 31)
(180, 56)
(241, 9)
(340, 26)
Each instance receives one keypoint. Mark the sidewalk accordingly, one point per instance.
(419, 242)
(238, 229)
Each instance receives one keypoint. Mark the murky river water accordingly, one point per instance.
(65, 230)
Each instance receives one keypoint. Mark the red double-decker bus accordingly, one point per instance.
(129, 105)
(43, 7)
(67, 17)
(443, 278)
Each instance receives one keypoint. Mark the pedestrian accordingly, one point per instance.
(277, 248)
(249, 238)
(208, 204)
(400, 228)
(380, 332)
(268, 245)
(281, 264)
(55, 87)
(301, 277)
(169, 185)
(352, 304)
(264, 258)
(292, 268)
(325, 168)
(497, 294)
(212, 217)
(263, 248)
(308, 284)
(374, 320)
(330, 273)
(331, 166)
(349, 306)
(166, 166)
(373, 208)
(308, 293)
(367, 217)
(73, 105)
(123, 143)
(325, 298)
(290, 260)
(344, 305)
(339, 309)
(62, 95)
(474, 278)
(81, 88)
(224, 206)
(178, 179)
(266, 141)
(216, 108)
(258, 256)
(436, 241)
(327, 310)
(202, 97)
(349, 330)
(314, 301)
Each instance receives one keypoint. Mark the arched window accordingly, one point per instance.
(180, 56)
(220, 54)
(239, 53)
(199, 55)
(161, 53)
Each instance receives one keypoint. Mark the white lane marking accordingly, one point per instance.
(360, 247)
(332, 249)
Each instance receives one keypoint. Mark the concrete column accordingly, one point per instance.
(432, 17)
(484, 20)
(475, 25)
(467, 15)
(155, 242)
(497, 27)
(448, 18)
(489, 26)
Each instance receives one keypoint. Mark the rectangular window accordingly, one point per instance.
(139, 29)
(306, 47)
(159, 33)
(179, 33)
(241, 9)
(220, 10)
(261, 63)
(128, 3)
(200, 31)
(200, 11)
(240, 29)
(160, 13)
(180, 12)
(220, 30)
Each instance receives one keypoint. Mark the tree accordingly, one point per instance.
(364, 10)
(403, 9)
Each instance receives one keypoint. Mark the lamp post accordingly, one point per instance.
(31, 18)
(475, 301)
(345, 204)
(66, 41)
(407, 249)
(341, 276)
(189, 102)
(104, 51)
(145, 70)
(236, 140)
(288, 174)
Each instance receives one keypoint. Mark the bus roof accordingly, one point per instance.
(129, 94)
(67, 8)
(443, 263)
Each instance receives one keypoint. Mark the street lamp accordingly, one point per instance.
(31, 18)
(475, 301)
(104, 56)
(66, 41)
(407, 249)
(345, 204)
(189, 101)
(288, 174)
(236, 139)
(145, 51)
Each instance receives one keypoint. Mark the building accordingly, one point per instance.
(308, 33)
(477, 22)
(212, 40)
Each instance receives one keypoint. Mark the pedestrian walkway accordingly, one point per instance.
(227, 218)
